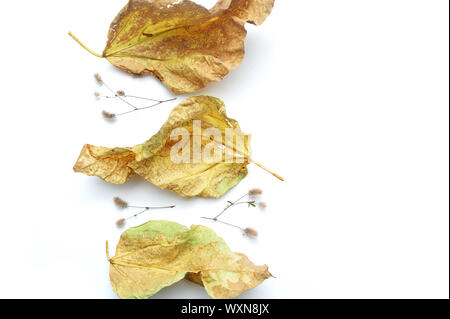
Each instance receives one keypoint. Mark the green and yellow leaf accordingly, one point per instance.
(152, 159)
(158, 254)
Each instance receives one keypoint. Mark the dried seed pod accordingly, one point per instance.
(120, 202)
(120, 222)
(108, 115)
(98, 78)
(251, 232)
(255, 191)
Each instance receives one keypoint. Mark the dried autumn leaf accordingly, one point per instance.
(158, 254)
(183, 44)
(153, 159)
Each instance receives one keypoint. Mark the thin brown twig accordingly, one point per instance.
(231, 204)
(247, 231)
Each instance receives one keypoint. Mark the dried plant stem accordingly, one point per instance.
(221, 221)
(231, 204)
(145, 107)
(85, 47)
(136, 97)
(122, 96)
(122, 221)
(120, 203)
(144, 209)
(247, 231)
(119, 97)
(150, 207)
(137, 214)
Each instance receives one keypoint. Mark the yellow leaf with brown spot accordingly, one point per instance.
(158, 254)
(183, 44)
(170, 162)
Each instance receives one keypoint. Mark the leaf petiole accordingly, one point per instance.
(267, 170)
(85, 47)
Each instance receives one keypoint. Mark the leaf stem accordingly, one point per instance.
(85, 47)
(107, 251)
(251, 160)
(267, 170)
(230, 205)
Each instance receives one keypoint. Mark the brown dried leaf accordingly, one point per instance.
(182, 43)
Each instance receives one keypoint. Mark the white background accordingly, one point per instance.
(348, 100)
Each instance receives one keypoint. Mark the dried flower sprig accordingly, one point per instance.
(251, 203)
(121, 95)
(239, 201)
(119, 202)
